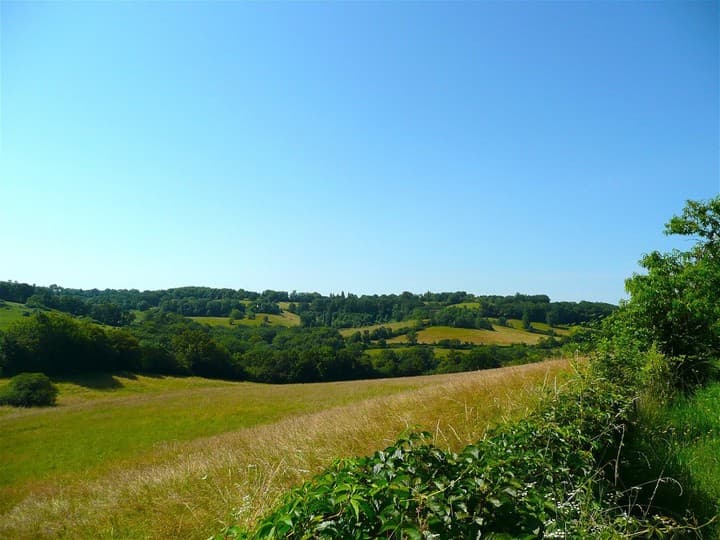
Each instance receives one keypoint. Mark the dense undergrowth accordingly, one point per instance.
(552, 474)
(672, 458)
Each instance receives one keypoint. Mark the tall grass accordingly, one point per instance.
(193, 488)
(103, 419)
(11, 312)
(677, 447)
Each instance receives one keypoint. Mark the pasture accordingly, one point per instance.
(11, 312)
(346, 332)
(502, 335)
(137, 456)
(284, 319)
(543, 327)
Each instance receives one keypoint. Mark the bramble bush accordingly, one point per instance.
(29, 390)
(543, 476)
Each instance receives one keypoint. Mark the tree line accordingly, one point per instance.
(115, 307)
(167, 343)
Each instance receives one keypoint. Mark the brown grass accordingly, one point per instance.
(192, 489)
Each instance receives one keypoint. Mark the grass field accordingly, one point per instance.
(392, 325)
(502, 335)
(284, 319)
(138, 457)
(467, 305)
(11, 312)
(439, 352)
(543, 327)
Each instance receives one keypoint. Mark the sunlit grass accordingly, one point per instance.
(502, 335)
(104, 419)
(284, 319)
(11, 312)
(392, 325)
(181, 463)
(543, 327)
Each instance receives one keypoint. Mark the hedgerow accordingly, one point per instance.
(29, 390)
(544, 476)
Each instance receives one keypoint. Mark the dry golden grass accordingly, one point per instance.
(191, 489)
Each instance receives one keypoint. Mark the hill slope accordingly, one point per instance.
(137, 460)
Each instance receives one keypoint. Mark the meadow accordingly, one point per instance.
(501, 335)
(347, 332)
(136, 456)
(284, 319)
(11, 312)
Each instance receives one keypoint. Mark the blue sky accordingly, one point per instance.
(367, 147)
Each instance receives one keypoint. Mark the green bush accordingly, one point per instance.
(29, 390)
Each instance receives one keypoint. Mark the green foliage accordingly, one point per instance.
(411, 337)
(419, 360)
(675, 306)
(29, 390)
(113, 307)
(461, 317)
(476, 358)
(701, 219)
(54, 343)
(561, 472)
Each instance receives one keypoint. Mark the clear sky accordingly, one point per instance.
(367, 147)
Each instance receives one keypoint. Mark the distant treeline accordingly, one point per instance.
(113, 307)
(167, 343)
(163, 340)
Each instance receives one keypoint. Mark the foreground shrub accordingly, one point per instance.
(29, 390)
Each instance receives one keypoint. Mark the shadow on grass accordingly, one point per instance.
(95, 381)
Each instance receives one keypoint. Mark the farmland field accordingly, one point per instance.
(696, 446)
(439, 352)
(543, 327)
(392, 325)
(136, 456)
(502, 335)
(284, 319)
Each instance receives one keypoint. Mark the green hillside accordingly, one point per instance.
(11, 312)
(163, 457)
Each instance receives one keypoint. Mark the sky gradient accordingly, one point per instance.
(364, 147)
